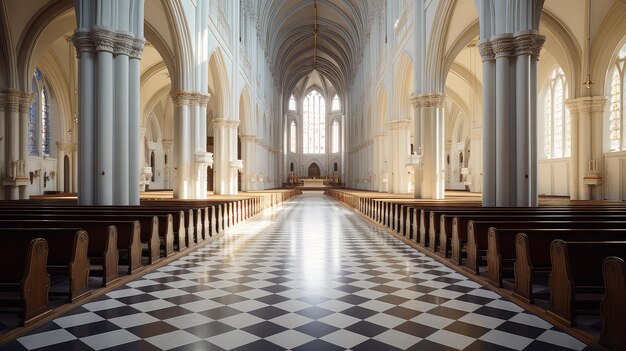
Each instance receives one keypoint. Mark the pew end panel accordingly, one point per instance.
(613, 305)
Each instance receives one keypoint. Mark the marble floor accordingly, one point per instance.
(311, 275)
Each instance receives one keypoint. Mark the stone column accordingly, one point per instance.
(432, 135)
(121, 123)
(399, 135)
(134, 146)
(16, 108)
(182, 105)
(74, 167)
(247, 155)
(108, 114)
(489, 123)
(572, 106)
(202, 158)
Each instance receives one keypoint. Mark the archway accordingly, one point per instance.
(314, 171)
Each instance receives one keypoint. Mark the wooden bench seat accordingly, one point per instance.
(67, 254)
(24, 281)
(576, 282)
(523, 249)
(613, 305)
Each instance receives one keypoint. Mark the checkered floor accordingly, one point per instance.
(309, 276)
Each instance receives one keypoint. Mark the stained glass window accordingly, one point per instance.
(557, 127)
(314, 124)
(33, 113)
(45, 123)
(293, 136)
(335, 131)
(616, 118)
(336, 105)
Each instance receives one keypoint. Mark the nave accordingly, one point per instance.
(310, 275)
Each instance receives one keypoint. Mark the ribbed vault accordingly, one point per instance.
(286, 29)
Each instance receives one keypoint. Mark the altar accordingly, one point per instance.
(313, 183)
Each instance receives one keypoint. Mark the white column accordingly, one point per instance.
(572, 105)
(182, 102)
(86, 118)
(432, 137)
(489, 123)
(13, 100)
(104, 120)
(597, 141)
(134, 145)
(584, 149)
(505, 128)
(400, 148)
(121, 175)
(522, 127)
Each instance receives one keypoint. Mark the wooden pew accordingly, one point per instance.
(577, 273)
(524, 251)
(476, 243)
(67, 254)
(102, 248)
(613, 305)
(24, 281)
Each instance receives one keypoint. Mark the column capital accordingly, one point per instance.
(103, 39)
(587, 104)
(428, 100)
(189, 98)
(486, 50)
(398, 124)
(123, 44)
(528, 43)
(247, 138)
(137, 48)
(503, 45)
(14, 100)
(167, 143)
(82, 42)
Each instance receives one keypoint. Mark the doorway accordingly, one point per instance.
(314, 170)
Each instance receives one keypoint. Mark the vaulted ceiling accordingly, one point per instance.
(286, 29)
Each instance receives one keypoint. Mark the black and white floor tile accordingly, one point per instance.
(309, 276)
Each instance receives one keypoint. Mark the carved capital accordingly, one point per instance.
(26, 99)
(247, 138)
(82, 42)
(486, 50)
(428, 100)
(137, 48)
(503, 45)
(225, 123)
(181, 97)
(528, 43)
(103, 39)
(123, 44)
(589, 104)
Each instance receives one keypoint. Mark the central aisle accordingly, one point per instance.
(311, 275)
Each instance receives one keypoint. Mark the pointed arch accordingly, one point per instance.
(219, 86)
(403, 87)
(245, 111)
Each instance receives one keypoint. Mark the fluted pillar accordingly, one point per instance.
(108, 100)
(182, 106)
(509, 118)
(432, 172)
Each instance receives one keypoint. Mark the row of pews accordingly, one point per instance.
(576, 250)
(56, 238)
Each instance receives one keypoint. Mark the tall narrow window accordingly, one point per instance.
(335, 131)
(336, 106)
(314, 124)
(292, 103)
(293, 130)
(45, 123)
(33, 114)
(616, 118)
(557, 123)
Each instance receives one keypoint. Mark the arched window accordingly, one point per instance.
(336, 104)
(314, 120)
(293, 130)
(557, 122)
(335, 131)
(616, 119)
(33, 114)
(292, 103)
(45, 123)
